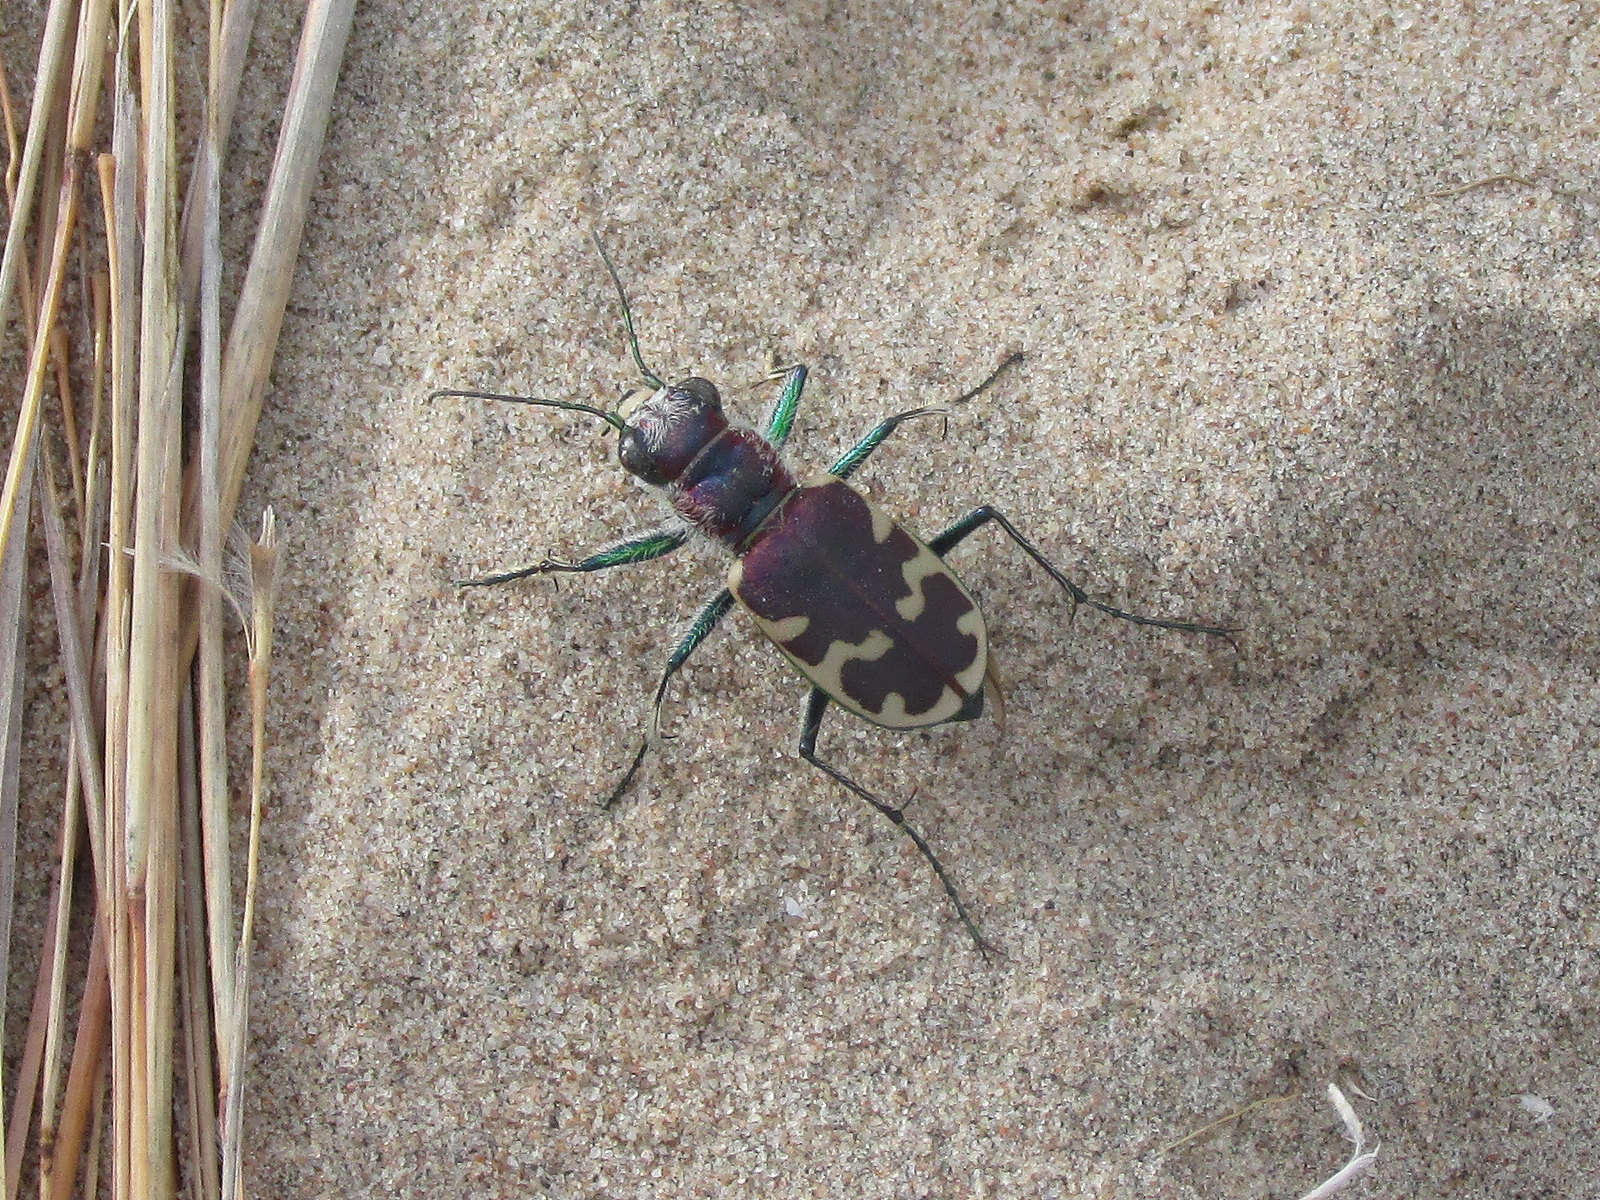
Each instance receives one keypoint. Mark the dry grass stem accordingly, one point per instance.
(147, 782)
(84, 772)
(212, 734)
(264, 564)
(13, 623)
(151, 832)
(119, 189)
(81, 1104)
(52, 59)
(253, 336)
(200, 1062)
(33, 1055)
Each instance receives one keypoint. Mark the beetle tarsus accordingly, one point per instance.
(1015, 356)
(544, 567)
(627, 776)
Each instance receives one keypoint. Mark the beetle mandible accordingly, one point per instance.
(871, 616)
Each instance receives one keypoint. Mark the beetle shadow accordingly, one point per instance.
(1450, 544)
(1464, 528)
(1452, 523)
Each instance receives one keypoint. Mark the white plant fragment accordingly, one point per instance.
(1537, 1107)
(1360, 1160)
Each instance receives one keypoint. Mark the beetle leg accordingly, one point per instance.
(859, 453)
(699, 629)
(641, 547)
(979, 517)
(781, 419)
(816, 705)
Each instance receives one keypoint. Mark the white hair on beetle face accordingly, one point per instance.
(656, 413)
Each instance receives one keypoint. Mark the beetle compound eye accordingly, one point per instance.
(636, 458)
(702, 391)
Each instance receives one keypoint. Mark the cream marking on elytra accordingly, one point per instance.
(971, 624)
(829, 673)
(894, 714)
(915, 570)
(883, 525)
(786, 629)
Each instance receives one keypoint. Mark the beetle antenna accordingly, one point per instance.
(1015, 356)
(650, 376)
(610, 418)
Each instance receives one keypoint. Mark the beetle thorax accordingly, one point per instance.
(722, 479)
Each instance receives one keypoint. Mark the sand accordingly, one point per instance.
(1287, 369)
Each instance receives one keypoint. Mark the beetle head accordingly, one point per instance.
(668, 428)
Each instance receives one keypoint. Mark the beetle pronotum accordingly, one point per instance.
(871, 616)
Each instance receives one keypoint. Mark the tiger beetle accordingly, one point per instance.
(871, 616)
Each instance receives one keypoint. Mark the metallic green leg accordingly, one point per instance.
(640, 547)
(781, 419)
(859, 453)
(699, 629)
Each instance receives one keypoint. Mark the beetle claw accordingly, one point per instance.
(627, 776)
(989, 950)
